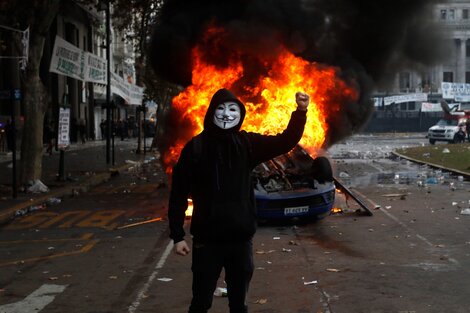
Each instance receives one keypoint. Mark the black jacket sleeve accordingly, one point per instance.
(264, 148)
(180, 188)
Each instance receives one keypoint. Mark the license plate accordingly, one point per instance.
(296, 210)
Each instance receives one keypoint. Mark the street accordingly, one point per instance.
(108, 250)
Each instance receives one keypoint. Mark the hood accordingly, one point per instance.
(221, 96)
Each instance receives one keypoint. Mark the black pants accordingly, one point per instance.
(208, 261)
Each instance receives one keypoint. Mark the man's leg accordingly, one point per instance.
(206, 267)
(238, 272)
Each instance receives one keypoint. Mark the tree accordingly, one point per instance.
(38, 15)
(138, 18)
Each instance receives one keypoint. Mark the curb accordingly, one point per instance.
(8, 214)
(464, 174)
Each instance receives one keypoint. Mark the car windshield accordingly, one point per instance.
(447, 122)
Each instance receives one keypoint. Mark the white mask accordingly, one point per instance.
(227, 115)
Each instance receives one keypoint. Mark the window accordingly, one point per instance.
(467, 77)
(426, 82)
(403, 106)
(404, 81)
(451, 14)
(465, 14)
(411, 106)
(448, 77)
(443, 14)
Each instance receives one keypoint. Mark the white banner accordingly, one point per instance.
(71, 61)
(131, 93)
(67, 59)
(431, 107)
(452, 90)
(406, 98)
(95, 69)
(63, 138)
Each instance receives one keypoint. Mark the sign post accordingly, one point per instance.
(63, 137)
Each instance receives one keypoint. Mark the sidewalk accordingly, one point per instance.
(85, 166)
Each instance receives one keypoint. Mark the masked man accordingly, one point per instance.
(214, 169)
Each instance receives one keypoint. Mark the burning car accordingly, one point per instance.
(294, 185)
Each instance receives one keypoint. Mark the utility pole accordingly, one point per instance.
(104, 5)
(109, 124)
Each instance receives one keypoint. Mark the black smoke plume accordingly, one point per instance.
(368, 39)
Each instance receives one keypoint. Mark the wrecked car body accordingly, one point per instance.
(294, 185)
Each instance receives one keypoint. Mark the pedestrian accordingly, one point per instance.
(214, 168)
(103, 129)
(49, 136)
(467, 128)
(82, 130)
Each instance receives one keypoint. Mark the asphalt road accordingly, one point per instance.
(89, 254)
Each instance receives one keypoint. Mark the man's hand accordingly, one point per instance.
(302, 100)
(182, 248)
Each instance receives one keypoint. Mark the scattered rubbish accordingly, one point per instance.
(445, 150)
(427, 155)
(286, 250)
(32, 208)
(333, 270)
(276, 238)
(344, 175)
(452, 186)
(293, 243)
(220, 292)
(306, 283)
(454, 203)
(38, 187)
(66, 275)
(460, 178)
(264, 252)
(113, 277)
(431, 181)
(261, 301)
(165, 279)
(395, 195)
(140, 223)
(388, 207)
(377, 207)
(131, 162)
(51, 248)
(465, 211)
(54, 200)
(53, 278)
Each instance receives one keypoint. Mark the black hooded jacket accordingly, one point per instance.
(214, 169)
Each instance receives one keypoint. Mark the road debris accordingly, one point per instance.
(313, 282)
(261, 301)
(38, 187)
(140, 223)
(333, 270)
(165, 279)
(465, 211)
(220, 292)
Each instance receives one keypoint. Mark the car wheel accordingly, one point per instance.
(432, 141)
(322, 171)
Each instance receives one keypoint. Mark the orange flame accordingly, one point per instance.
(274, 93)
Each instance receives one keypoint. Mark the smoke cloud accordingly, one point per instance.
(368, 39)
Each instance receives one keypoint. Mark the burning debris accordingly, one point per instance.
(333, 50)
